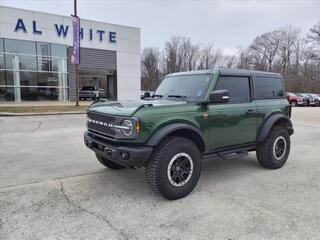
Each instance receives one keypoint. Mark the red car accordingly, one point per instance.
(296, 100)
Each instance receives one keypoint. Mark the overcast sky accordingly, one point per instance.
(226, 24)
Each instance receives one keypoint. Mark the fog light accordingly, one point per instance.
(124, 155)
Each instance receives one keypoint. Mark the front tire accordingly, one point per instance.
(273, 152)
(174, 168)
(294, 103)
(107, 163)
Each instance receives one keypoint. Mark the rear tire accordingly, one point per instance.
(273, 152)
(174, 168)
(107, 163)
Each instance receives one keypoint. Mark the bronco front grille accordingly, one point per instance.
(100, 123)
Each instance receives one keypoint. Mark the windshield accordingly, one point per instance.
(184, 86)
(88, 88)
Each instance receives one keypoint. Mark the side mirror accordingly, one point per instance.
(219, 96)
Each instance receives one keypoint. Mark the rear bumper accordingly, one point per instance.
(128, 156)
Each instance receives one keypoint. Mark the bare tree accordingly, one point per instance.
(244, 59)
(209, 57)
(170, 56)
(150, 61)
(289, 38)
(285, 51)
(314, 35)
(187, 55)
(179, 54)
(230, 61)
(265, 47)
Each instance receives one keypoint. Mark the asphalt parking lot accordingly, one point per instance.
(52, 187)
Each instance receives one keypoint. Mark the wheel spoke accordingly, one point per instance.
(279, 148)
(180, 169)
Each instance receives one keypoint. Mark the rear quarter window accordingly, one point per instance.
(268, 87)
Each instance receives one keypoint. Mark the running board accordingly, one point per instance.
(232, 155)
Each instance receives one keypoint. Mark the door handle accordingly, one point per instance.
(250, 111)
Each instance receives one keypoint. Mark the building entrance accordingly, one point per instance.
(101, 79)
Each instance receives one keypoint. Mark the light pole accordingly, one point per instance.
(77, 63)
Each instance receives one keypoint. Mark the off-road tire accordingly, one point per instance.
(158, 165)
(107, 163)
(265, 151)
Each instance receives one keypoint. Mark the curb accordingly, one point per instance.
(8, 114)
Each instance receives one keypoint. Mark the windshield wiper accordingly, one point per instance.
(158, 95)
(178, 96)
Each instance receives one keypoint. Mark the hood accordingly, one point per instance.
(128, 108)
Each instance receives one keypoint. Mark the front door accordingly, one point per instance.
(233, 123)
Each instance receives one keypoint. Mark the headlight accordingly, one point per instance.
(127, 127)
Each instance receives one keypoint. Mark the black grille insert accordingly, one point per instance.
(99, 123)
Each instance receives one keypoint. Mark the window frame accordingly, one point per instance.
(255, 97)
(206, 89)
(238, 76)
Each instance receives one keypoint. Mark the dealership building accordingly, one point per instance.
(35, 51)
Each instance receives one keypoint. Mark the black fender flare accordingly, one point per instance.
(163, 132)
(270, 122)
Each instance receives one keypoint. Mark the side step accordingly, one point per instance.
(232, 154)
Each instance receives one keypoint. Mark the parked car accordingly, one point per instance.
(311, 101)
(316, 97)
(296, 100)
(195, 115)
(88, 92)
(103, 94)
(146, 94)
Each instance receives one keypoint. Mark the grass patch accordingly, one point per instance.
(42, 109)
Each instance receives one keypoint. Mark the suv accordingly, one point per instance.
(316, 97)
(193, 116)
(311, 101)
(88, 92)
(295, 100)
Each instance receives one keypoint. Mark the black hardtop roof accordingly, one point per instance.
(228, 72)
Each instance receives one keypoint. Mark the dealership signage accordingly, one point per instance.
(62, 30)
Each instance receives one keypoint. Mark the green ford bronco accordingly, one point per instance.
(193, 116)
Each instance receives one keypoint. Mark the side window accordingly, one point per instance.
(268, 87)
(238, 87)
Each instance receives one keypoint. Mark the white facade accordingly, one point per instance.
(127, 45)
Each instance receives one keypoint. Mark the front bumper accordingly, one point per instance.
(87, 95)
(128, 156)
(302, 103)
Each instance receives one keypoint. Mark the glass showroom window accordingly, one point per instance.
(2, 73)
(30, 71)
